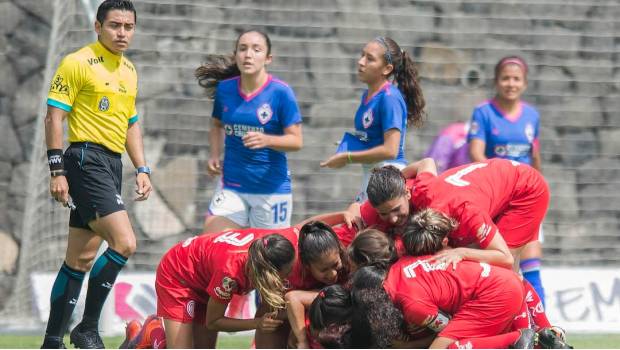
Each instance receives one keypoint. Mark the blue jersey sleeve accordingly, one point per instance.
(217, 106)
(478, 126)
(289, 110)
(392, 114)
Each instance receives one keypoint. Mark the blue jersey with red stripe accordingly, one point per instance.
(509, 137)
(270, 110)
(376, 115)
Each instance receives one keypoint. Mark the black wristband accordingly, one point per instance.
(54, 159)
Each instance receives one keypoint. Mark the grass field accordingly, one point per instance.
(34, 342)
(579, 341)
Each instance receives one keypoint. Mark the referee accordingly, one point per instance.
(95, 89)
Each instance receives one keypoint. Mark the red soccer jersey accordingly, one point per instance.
(475, 195)
(214, 264)
(300, 277)
(421, 289)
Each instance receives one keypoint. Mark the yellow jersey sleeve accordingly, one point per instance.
(66, 84)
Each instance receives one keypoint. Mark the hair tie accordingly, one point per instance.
(388, 54)
(322, 294)
(514, 60)
(265, 241)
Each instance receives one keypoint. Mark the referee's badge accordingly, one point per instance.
(104, 104)
(367, 119)
(264, 113)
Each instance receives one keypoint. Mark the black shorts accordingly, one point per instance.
(94, 174)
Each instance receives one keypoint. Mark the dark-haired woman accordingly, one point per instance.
(257, 119)
(393, 99)
(507, 127)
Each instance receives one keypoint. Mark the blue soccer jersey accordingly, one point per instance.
(269, 110)
(384, 111)
(506, 137)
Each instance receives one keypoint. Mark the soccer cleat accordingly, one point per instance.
(132, 329)
(84, 337)
(552, 338)
(53, 344)
(526, 340)
(152, 335)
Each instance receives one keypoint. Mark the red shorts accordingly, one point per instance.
(176, 301)
(520, 223)
(498, 301)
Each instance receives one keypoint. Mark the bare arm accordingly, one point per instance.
(216, 144)
(496, 253)
(135, 147)
(216, 320)
(536, 160)
(297, 302)
(291, 141)
(476, 150)
(53, 127)
(135, 150)
(426, 165)
(59, 188)
(386, 151)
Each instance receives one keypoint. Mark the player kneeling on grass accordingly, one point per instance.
(197, 278)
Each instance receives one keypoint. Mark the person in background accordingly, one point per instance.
(257, 119)
(393, 99)
(450, 149)
(506, 127)
(95, 89)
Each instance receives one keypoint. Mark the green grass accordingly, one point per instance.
(34, 342)
(579, 341)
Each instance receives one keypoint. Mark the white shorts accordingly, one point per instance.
(253, 210)
(367, 168)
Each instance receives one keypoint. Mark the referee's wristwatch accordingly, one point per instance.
(143, 169)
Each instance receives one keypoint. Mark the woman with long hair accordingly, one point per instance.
(392, 101)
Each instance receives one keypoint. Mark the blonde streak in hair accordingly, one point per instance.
(265, 278)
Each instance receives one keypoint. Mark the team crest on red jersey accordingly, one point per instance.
(228, 287)
(264, 113)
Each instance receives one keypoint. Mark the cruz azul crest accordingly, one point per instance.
(264, 113)
(367, 119)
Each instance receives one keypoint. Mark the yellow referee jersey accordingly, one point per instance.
(98, 89)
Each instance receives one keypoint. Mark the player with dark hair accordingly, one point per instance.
(95, 89)
(393, 99)
(506, 127)
(257, 119)
(498, 205)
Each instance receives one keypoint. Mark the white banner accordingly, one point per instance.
(132, 297)
(583, 299)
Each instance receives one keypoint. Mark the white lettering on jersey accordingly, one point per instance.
(486, 270)
(188, 241)
(483, 232)
(426, 266)
(232, 238)
(455, 179)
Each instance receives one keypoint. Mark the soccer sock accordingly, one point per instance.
(502, 341)
(535, 306)
(531, 272)
(65, 293)
(100, 282)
